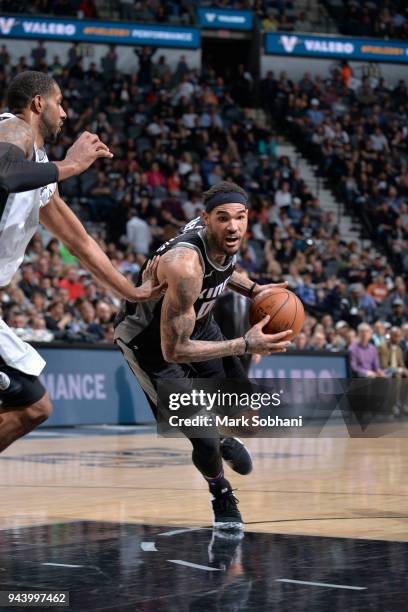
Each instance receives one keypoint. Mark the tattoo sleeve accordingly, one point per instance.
(178, 320)
(241, 284)
(18, 133)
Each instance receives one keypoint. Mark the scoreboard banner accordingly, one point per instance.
(81, 30)
(305, 45)
(225, 20)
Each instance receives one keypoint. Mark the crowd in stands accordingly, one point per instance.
(176, 132)
(378, 18)
(272, 14)
(357, 135)
(374, 18)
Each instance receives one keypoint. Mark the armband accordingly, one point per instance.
(18, 174)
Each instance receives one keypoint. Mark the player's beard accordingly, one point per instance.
(217, 244)
(49, 128)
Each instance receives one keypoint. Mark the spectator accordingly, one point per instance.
(38, 55)
(378, 288)
(364, 360)
(391, 355)
(138, 234)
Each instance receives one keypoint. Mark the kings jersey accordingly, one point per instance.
(140, 322)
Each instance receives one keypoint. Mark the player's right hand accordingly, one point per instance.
(86, 149)
(265, 344)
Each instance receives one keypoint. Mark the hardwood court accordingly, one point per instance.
(337, 487)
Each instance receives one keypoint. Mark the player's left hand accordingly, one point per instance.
(258, 288)
(150, 289)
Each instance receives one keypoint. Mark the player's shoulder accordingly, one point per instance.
(180, 262)
(179, 255)
(17, 132)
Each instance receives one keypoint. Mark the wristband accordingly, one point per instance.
(250, 292)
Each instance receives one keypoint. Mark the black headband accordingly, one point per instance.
(226, 197)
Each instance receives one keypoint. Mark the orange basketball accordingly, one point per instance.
(284, 308)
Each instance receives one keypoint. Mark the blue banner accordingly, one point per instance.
(308, 365)
(92, 386)
(225, 20)
(99, 32)
(367, 49)
(89, 386)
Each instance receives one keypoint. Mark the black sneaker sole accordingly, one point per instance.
(246, 462)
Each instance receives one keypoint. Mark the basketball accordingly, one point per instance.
(284, 308)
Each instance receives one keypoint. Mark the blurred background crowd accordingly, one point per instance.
(376, 18)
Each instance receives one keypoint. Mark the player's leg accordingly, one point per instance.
(149, 372)
(206, 453)
(24, 404)
(233, 450)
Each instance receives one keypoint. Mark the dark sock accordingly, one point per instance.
(218, 484)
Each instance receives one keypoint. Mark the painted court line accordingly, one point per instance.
(62, 565)
(176, 531)
(148, 546)
(195, 565)
(323, 584)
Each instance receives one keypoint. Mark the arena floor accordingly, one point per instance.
(121, 519)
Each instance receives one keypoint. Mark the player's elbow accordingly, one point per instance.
(172, 355)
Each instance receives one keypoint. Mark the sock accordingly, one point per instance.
(218, 484)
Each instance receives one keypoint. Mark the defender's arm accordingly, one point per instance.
(18, 174)
(58, 218)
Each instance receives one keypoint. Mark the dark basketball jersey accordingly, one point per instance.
(142, 319)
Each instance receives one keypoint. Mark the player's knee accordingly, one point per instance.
(208, 448)
(40, 411)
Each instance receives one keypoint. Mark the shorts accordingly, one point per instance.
(149, 367)
(18, 389)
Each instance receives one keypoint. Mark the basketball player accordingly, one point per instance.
(35, 99)
(19, 170)
(176, 337)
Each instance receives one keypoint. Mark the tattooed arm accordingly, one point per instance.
(181, 269)
(243, 285)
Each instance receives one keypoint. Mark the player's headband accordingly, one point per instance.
(226, 197)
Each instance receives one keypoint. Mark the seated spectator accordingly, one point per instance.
(379, 336)
(318, 341)
(57, 319)
(391, 355)
(398, 314)
(104, 316)
(378, 288)
(71, 283)
(306, 292)
(283, 197)
(364, 359)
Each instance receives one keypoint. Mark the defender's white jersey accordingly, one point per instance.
(18, 224)
(19, 221)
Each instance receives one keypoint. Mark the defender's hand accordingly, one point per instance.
(150, 289)
(86, 149)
